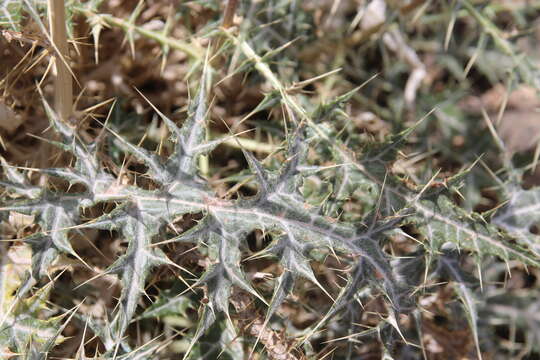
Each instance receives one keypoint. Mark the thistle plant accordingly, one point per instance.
(380, 293)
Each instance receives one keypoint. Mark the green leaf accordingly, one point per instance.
(25, 331)
(169, 303)
(519, 216)
(440, 221)
(138, 228)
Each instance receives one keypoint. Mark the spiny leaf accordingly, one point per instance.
(519, 216)
(24, 331)
(17, 182)
(87, 169)
(191, 138)
(156, 168)
(56, 215)
(138, 228)
(439, 220)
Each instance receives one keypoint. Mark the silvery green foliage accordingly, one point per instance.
(520, 215)
(430, 210)
(301, 232)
